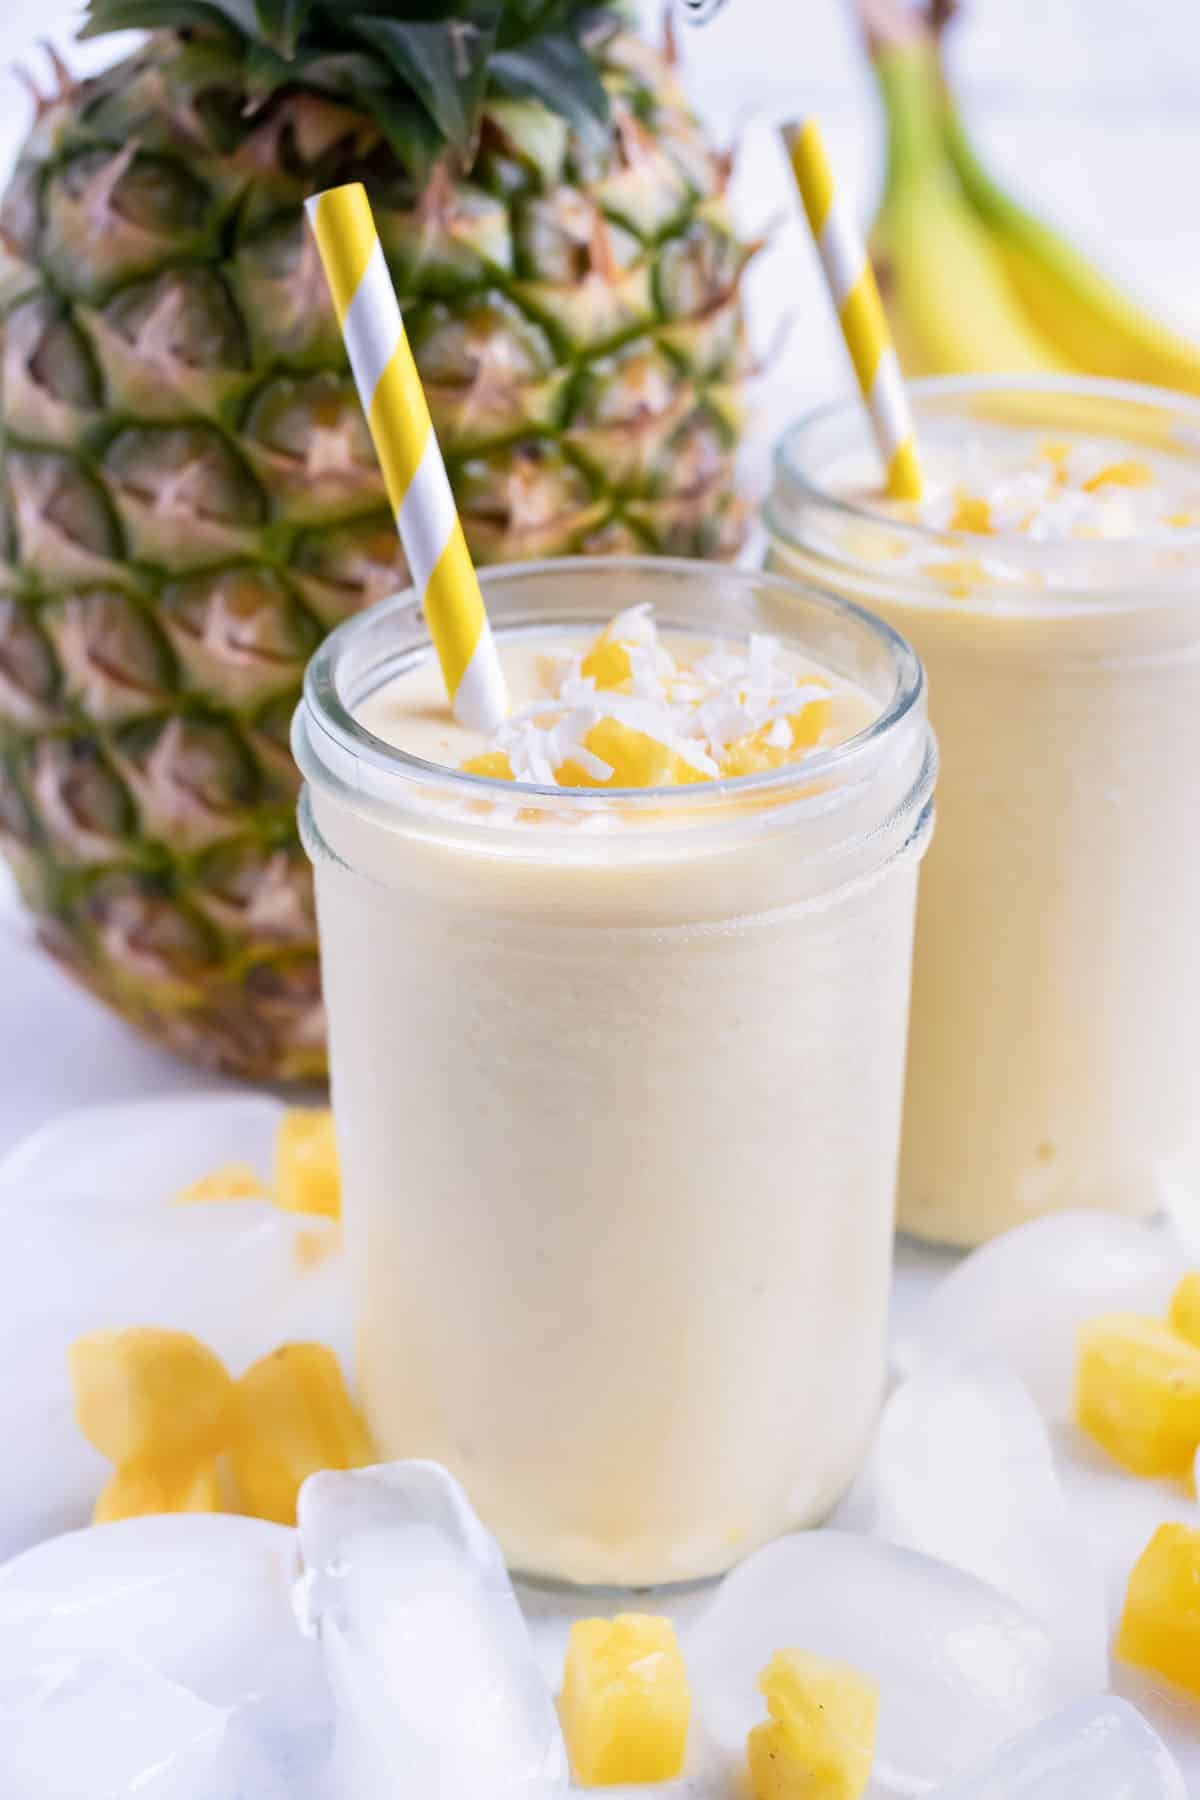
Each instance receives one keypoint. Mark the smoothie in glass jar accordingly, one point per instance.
(1050, 582)
(617, 1065)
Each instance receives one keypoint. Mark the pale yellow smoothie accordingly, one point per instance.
(1050, 581)
(617, 1070)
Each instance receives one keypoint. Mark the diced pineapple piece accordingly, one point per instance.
(145, 1393)
(1160, 1625)
(294, 1417)
(157, 1485)
(1059, 455)
(312, 1248)
(753, 754)
(1185, 1309)
(819, 1742)
(625, 1701)
(490, 762)
(971, 513)
(960, 576)
(232, 1181)
(1130, 473)
(1137, 1392)
(306, 1165)
(811, 722)
(608, 663)
(636, 760)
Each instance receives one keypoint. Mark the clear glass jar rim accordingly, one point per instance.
(384, 765)
(799, 494)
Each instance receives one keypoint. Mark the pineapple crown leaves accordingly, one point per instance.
(421, 69)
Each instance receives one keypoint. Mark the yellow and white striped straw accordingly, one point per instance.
(859, 308)
(413, 471)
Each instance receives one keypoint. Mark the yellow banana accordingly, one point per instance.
(945, 288)
(1071, 302)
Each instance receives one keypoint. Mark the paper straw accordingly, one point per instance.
(859, 308)
(413, 471)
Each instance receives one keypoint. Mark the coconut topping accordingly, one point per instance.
(1053, 491)
(626, 713)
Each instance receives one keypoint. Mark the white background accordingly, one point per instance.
(1092, 107)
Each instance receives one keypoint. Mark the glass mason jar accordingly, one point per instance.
(1054, 1052)
(617, 1079)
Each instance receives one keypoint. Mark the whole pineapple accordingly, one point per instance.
(189, 497)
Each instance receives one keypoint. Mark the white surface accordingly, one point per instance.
(60, 1049)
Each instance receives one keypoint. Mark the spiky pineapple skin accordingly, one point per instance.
(189, 500)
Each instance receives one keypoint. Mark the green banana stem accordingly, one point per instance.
(904, 57)
(943, 284)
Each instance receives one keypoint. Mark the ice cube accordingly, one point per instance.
(93, 1239)
(1181, 1208)
(140, 1152)
(275, 1760)
(1168, 1710)
(1023, 1297)
(1117, 1513)
(98, 1727)
(960, 1667)
(964, 1471)
(1098, 1749)
(433, 1673)
(206, 1600)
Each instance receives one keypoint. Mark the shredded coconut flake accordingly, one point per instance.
(1053, 492)
(695, 711)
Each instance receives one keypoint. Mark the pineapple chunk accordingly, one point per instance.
(608, 663)
(294, 1417)
(625, 1702)
(306, 1165)
(753, 754)
(312, 1248)
(636, 759)
(1160, 1625)
(232, 1181)
(494, 763)
(1059, 456)
(811, 722)
(819, 1742)
(960, 576)
(181, 1485)
(1185, 1309)
(1137, 1392)
(147, 1394)
(1130, 474)
(971, 513)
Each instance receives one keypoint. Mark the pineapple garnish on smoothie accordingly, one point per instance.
(1055, 489)
(635, 707)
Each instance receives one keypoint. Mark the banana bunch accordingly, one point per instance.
(971, 280)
